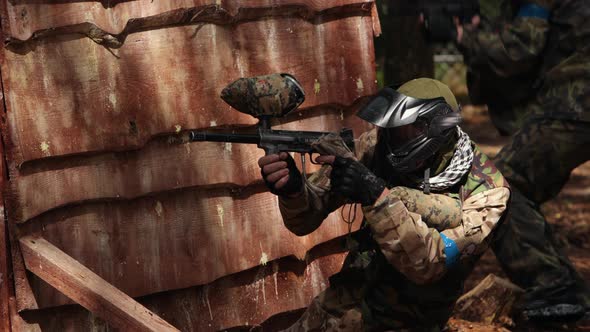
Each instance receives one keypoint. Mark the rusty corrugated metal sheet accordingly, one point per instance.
(71, 95)
(164, 164)
(95, 158)
(4, 253)
(174, 240)
(27, 18)
(245, 299)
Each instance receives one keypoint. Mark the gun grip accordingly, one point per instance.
(270, 150)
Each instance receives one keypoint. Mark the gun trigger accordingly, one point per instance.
(311, 159)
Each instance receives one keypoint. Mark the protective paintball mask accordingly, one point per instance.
(412, 129)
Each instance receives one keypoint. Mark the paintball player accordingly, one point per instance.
(431, 202)
(533, 71)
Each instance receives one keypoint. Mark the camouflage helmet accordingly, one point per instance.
(416, 120)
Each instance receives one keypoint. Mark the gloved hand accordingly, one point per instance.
(280, 174)
(356, 182)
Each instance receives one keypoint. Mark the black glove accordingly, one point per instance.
(293, 185)
(356, 182)
(439, 27)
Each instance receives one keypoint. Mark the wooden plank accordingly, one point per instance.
(248, 298)
(168, 163)
(23, 293)
(85, 287)
(72, 96)
(4, 251)
(174, 240)
(4, 275)
(27, 18)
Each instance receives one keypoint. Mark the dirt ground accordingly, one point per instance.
(568, 214)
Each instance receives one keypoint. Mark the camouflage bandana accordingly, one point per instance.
(459, 166)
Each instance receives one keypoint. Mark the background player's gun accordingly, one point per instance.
(265, 97)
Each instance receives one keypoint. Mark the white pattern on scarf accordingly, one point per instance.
(459, 166)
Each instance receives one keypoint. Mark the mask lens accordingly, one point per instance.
(399, 136)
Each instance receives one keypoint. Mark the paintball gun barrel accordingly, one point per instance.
(265, 97)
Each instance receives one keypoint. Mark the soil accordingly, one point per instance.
(568, 215)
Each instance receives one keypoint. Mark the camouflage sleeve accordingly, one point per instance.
(305, 213)
(422, 253)
(513, 50)
(438, 211)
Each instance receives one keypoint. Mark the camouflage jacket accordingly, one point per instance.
(409, 227)
(540, 55)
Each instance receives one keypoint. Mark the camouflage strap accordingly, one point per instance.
(332, 144)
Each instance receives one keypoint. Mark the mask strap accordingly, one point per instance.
(426, 189)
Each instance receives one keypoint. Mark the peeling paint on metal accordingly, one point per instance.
(188, 310)
(316, 86)
(259, 284)
(44, 146)
(315, 278)
(227, 148)
(113, 100)
(360, 88)
(271, 37)
(205, 299)
(275, 272)
(220, 213)
(213, 123)
(264, 257)
(159, 208)
(239, 63)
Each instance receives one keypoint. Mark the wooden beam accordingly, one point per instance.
(17, 323)
(88, 289)
(4, 278)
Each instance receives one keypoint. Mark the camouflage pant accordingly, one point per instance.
(340, 309)
(335, 309)
(507, 118)
(353, 303)
(537, 164)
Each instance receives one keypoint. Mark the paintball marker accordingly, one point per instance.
(266, 97)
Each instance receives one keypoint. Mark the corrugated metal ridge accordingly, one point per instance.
(254, 295)
(215, 14)
(18, 197)
(155, 237)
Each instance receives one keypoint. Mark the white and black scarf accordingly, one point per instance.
(459, 166)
